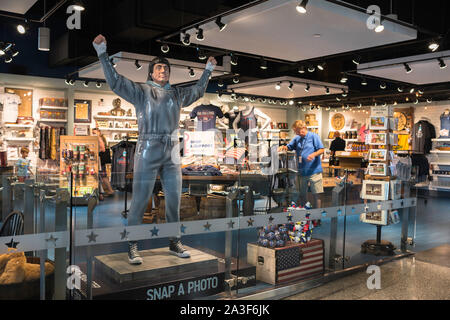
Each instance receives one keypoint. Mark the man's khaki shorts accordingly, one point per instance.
(314, 181)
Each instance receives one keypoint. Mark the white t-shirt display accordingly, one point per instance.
(10, 104)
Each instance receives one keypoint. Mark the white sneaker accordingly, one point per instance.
(176, 248)
(133, 254)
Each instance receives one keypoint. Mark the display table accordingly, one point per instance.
(349, 159)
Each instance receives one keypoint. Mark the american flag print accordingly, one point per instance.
(309, 264)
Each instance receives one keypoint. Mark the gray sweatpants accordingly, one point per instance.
(153, 157)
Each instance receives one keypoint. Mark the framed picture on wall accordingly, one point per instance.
(83, 111)
(378, 155)
(375, 190)
(378, 123)
(377, 169)
(377, 217)
(378, 138)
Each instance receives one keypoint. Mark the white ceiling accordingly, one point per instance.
(16, 6)
(266, 88)
(424, 71)
(179, 72)
(275, 29)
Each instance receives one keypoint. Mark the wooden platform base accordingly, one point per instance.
(157, 263)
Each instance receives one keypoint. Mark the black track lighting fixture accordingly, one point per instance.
(236, 79)
(383, 85)
(327, 90)
(291, 86)
(191, 72)
(433, 45)
(344, 93)
(112, 62)
(407, 68)
(321, 66)
(200, 36)
(165, 48)
(4, 47)
(311, 68)
(72, 82)
(301, 7)
(301, 69)
(234, 59)
(356, 60)
(14, 53)
(138, 65)
(186, 39)
(307, 87)
(8, 58)
(400, 89)
(220, 83)
(220, 24)
(278, 86)
(442, 64)
(201, 54)
(411, 90)
(364, 82)
(263, 63)
(86, 84)
(420, 91)
(67, 81)
(98, 84)
(344, 78)
(78, 5)
(379, 28)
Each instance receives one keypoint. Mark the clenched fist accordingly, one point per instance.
(212, 60)
(99, 39)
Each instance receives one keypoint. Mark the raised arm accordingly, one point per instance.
(192, 93)
(123, 87)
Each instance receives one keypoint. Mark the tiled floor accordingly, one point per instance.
(425, 276)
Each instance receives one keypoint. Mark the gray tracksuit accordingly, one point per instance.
(158, 114)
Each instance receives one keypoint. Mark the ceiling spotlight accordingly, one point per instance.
(321, 66)
(291, 102)
(86, 84)
(78, 5)
(328, 108)
(356, 60)
(344, 94)
(67, 81)
(191, 72)
(359, 105)
(112, 62)
(433, 46)
(407, 68)
(220, 24)
(395, 103)
(380, 27)
(165, 48)
(400, 89)
(429, 100)
(200, 36)
(22, 27)
(327, 90)
(301, 69)
(186, 39)
(416, 102)
(201, 54)
(344, 79)
(411, 90)
(138, 66)
(364, 82)
(72, 82)
(442, 64)
(233, 59)
(98, 84)
(420, 91)
(8, 59)
(236, 79)
(220, 83)
(291, 86)
(311, 68)
(307, 87)
(301, 7)
(15, 53)
(278, 86)
(263, 63)
(383, 85)
(338, 99)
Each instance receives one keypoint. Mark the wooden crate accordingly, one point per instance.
(295, 261)
(188, 208)
(213, 207)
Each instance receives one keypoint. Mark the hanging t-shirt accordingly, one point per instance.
(231, 116)
(206, 116)
(119, 168)
(424, 132)
(248, 121)
(445, 125)
(10, 104)
(22, 167)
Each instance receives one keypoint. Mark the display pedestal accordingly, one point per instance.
(158, 263)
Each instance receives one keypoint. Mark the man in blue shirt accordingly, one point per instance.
(308, 149)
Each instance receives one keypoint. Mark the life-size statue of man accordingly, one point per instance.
(158, 107)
